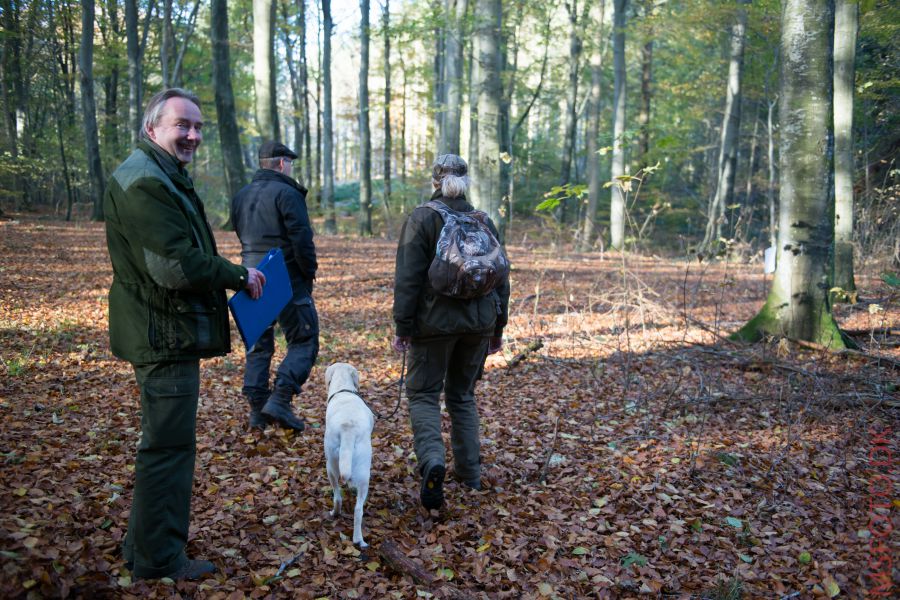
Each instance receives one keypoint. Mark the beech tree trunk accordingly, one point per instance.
(728, 144)
(617, 199)
(846, 26)
(304, 96)
(264, 68)
(485, 186)
(365, 140)
(229, 136)
(327, 131)
(595, 183)
(798, 306)
(568, 151)
(135, 74)
(89, 109)
(453, 65)
(386, 198)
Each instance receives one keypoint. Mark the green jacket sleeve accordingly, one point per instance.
(414, 254)
(171, 234)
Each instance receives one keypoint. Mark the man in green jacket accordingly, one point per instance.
(167, 310)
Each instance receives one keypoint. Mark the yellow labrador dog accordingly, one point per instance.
(348, 440)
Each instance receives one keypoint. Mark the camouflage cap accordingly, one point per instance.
(449, 164)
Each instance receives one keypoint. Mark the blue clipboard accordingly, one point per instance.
(253, 317)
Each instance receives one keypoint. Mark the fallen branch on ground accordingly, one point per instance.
(532, 347)
(395, 558)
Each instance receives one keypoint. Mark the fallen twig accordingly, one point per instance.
(395, 558)
(532, 347)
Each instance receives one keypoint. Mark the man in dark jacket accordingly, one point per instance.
(447, 338)
(167, 310)
(270, 212)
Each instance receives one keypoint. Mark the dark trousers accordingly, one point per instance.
(453, 365)
(300, 324)
(163, 468)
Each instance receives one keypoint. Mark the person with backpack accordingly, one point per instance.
(451, 298)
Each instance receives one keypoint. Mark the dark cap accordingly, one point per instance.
(272, 149)
(448, 164)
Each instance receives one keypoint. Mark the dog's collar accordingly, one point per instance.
(354, 392)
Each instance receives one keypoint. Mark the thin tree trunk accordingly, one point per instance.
(439, 98)
(89, 109)
(179, 59)
(617, 200)
(135, 74)
(386, 197)
(111, 82)
(166, 43)
(365, 139)
(798, 305)
(403, 149)
(485, 189)
(646, 97)
(846, 27)
(327, 130)
(304, 94)
(751, 170)
(295, 85)
(731, 123)
(770, 191)
(455, 11)
(595, 182)
(264, 68)
(229, 136)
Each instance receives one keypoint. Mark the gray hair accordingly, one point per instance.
(453, 186)
(450, 173)
(153, 112)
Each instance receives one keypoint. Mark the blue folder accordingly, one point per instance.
(253, 317)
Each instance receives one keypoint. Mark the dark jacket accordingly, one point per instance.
(167, 300)
(419, 311)
(270, 212)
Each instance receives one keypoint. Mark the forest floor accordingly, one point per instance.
(637, 452)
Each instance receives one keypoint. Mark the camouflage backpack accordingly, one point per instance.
(469, 261)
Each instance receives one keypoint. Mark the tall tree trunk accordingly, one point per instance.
(89, 108)
(731, 123)
(485, 188)
(846, 26)
(439, 98)
(111, 82)
(365, 139)
(179, 58)
(327, 131)
(296, 102)
(568, 152)
(455, 11)
(798, 306)
(595, 180)
(617, 199)
(10, 79)
(386, 197)
(229, 136)
(304, 94)
(646, 97)
(166, 44)
(135, 72)
(264, 68)
(770, 190)
(403, 149)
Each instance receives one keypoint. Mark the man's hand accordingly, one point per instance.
(495, 344)
(401, 343)
(255, 282)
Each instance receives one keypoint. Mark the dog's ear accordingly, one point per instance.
(328, 373)
(355, 377)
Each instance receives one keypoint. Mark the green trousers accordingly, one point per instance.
(453, 365)
(163, 468)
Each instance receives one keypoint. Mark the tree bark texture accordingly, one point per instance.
(365, 138)
(229, 136)
(846, 26)
(89, 109)
(595, 183)
(264, 68)
(327, 130)
(617, 199)
(304, 95)
(455, 11)
(439, 98)
(798, 306)
(729, 140)
(135, 75)
(386, 197)
(646, 97)
(568, 151)
(485, 186)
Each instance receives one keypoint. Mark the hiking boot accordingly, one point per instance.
(278, 407)
(192, 570)
(473, 484)
(257, 419)
(432, 492)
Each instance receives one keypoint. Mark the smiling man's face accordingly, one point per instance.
(178, 131)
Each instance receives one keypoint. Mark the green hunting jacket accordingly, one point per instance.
(167, 300)
(419, 311)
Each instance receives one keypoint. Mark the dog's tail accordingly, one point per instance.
(346, 455)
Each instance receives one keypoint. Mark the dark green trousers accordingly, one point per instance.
(453, 365)
(163, 468)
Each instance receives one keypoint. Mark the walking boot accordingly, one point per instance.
(278, 407)
(431, 494)
(257, 419)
